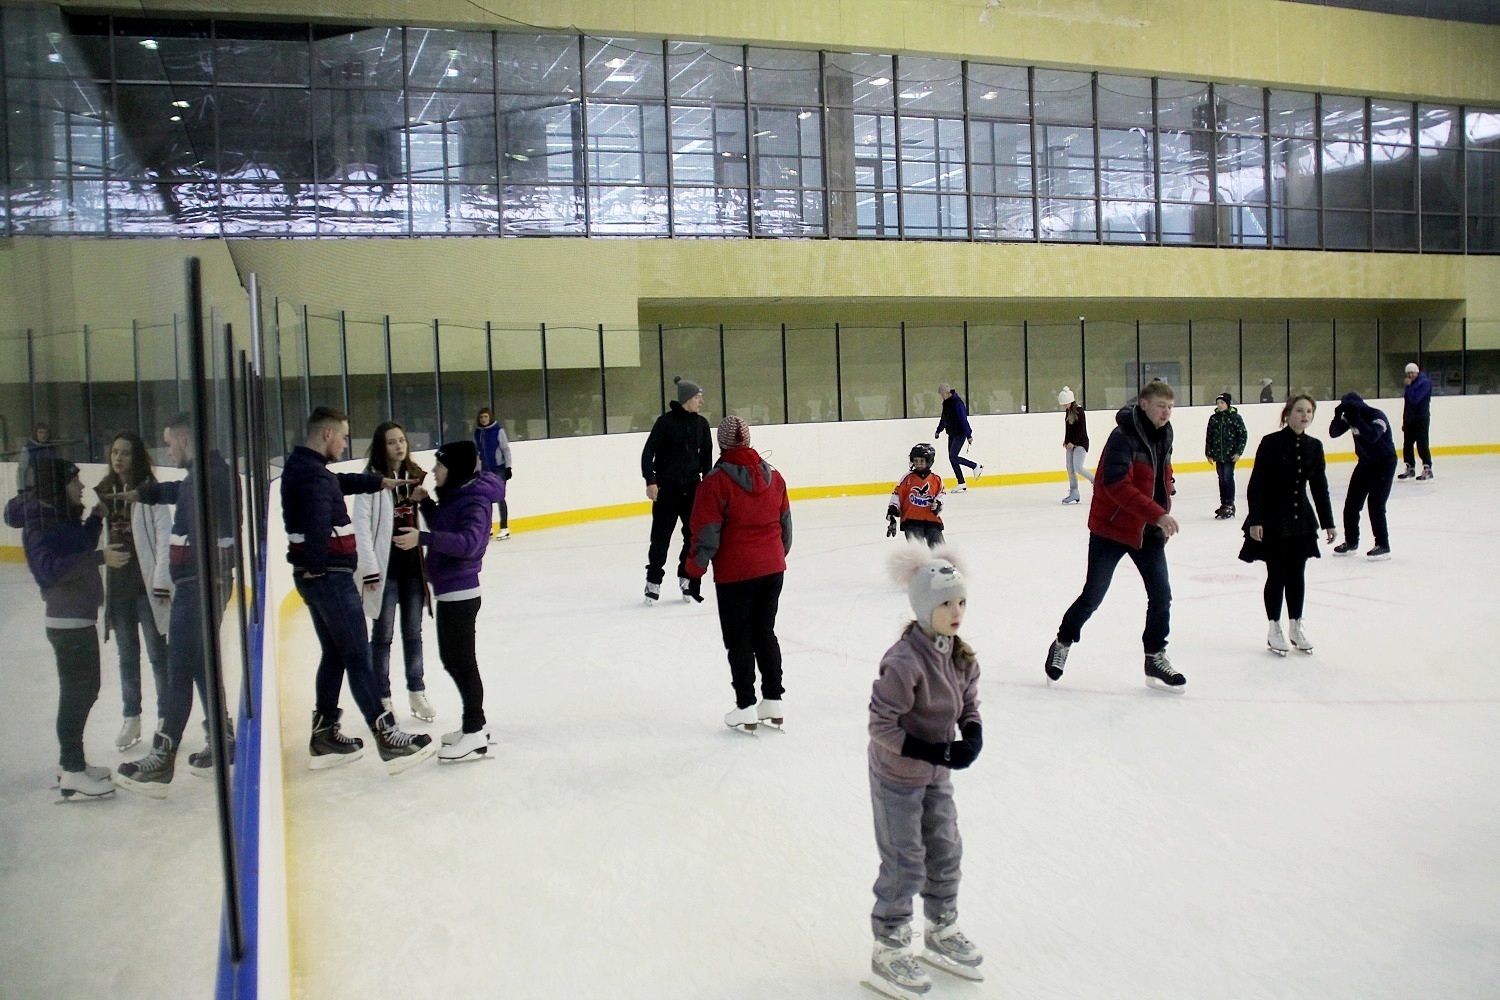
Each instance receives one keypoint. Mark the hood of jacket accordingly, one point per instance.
(25, 510)
(1355, 402)
(746, 469)
(484, 488)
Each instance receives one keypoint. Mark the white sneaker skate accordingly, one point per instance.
(960, 488)
(421, 708)
(502, 534)
(1298, 637)
(469, 746)
(895, 969)
(770, 712)
(950, 950)
(86, 783)
(745, 719)
(1275, 640)
(130, 733)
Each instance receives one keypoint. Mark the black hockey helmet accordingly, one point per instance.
(922, 450)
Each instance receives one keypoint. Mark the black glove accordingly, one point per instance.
(890, 527)
(969, 747)
(919, 749)
(695, 588)
(505, 472)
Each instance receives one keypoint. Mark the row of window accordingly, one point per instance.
(127, 125)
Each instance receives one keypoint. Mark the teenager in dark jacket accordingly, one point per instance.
(955, 420)
(1416, 418)
(321, 548)
(1374, 469)
(1223, 445)
(494, 458)
(39, 446)
(1075, 443)
(457, 536)
(62, 553)
(1130, 516)
(150, 775)
(678, 453)
(742, 524)
(1282, 527)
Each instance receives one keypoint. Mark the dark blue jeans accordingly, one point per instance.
(1369, 483)
(1151, 560)
(406, 595)
(338, 618)
(956, 445)
(185, 669)
(1226, 482)
(129, 620)
(77, 652)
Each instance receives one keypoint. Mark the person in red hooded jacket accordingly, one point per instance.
(742, 524)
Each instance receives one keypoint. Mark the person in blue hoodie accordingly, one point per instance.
(955, 420)
(1374, 470)
(63, 554)
(1416, 418)
(457, 535)
(494, 458)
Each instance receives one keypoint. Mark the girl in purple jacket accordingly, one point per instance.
(457, 537)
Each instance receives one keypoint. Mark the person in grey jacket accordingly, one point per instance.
(927, 692)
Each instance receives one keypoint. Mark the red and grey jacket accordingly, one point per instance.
(1133, 485)
(741, 521)
(319, 534)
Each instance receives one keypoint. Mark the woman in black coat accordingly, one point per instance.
(1281, 528)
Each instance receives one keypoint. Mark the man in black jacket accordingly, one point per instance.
(678, 453)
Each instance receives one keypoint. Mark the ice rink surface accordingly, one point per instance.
(1318, 826)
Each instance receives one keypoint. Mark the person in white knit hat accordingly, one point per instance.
(924, 724)
(1075, 443)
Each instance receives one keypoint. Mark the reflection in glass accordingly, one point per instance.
(465, 378)
(699, 71)
(812, 375)
(449, 60)
(574, 386)
(859, 80)
(870, 372)
(1106, 344)
(783, 76)
(357, 59)
(1264, 350)
(623, 67)
(692, 352)
(1054, 359)
(1216, 362)
(1063, 96)
(1166, 355)
(753, 367)
(934, 354)
(931, 85)
(414, 402)
(519, 399)
(1356, 358)
(997, 365)
(632, 379)
(1312, 358)
(1126, 101)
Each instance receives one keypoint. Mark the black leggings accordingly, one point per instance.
(1285, 575)
(455, 636)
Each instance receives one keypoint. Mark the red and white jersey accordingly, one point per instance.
(919, 497)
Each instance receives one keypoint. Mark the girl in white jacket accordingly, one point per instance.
(393, 579)
(138, 596)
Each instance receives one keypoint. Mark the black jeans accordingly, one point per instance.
(1151, 560)
(747, 619)
(1414, 438)
(1370, 483)
(674, 502)
(928, 532)
(455, 637)
(77, 652)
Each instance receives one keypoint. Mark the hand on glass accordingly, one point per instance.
(116, 557)
(406, 538)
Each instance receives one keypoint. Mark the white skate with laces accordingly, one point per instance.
(894, 969)
(950, 950)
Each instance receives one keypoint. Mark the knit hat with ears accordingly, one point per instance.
(1065, 398)
(686, 390)
(733, 433)
(931, 577)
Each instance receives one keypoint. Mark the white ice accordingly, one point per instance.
(1318, 826)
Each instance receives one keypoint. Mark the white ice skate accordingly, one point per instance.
(421, 708)
(1298, 637)
(895, 971)
(743, 719)
(951, 951)
(769, 712)
(1275, 640)
(130, 733)
(468, 746)
(448, 739)
(86, 784)
(960, 488)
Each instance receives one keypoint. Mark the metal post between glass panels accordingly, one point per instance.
(546, 399)
(135, 364)
(786, 406)
(905, 406)
(390, 391)
(437, 378)
(88, 397)
(603, 382)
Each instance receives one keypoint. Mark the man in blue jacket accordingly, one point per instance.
(320, 547)
(1374, 468)
(1415, 420)
(955, 420)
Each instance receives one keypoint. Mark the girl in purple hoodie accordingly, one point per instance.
(457, 538)
(62, 552)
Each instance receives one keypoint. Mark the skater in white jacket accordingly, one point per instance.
(392, 580)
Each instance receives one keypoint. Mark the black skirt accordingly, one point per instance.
(1285, 548)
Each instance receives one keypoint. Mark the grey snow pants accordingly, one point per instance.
(916, 833)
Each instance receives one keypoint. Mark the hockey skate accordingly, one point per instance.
(1160, 674)
(1275, 640)
(202, 762)
(1409, 473)
(744, 719)
(950, 950)
(1346, 547)
(90, 784)
(329, 747)
(399, 749)
(769, 713)
(1057, 658)
(151, 774)
(1426, 474)
(653, 593)
(1298, 637)
(1379, 553)
(1225, 512)
(894, 969)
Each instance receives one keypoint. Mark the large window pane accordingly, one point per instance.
(632, 379)
(623, 67)
(1216, 361)
(450, 137)
(1312, 358)
(997, 368)
(931, 85)
(369, 57)
(1183, 104)
(812, 375)
(870, 372)
(325, 379)
(699, 71)
(1063, 96)
(1343, 118)
(934, 177)
(1065, 161)
(1127, 164)
(575, 401)
(519, 392)
(1264, 345)
(934, 354)
(783, 76)
(364, 356)
(859, 80)
(160, 49)
(999, 91)
(449, 60)
(1001, 157)
(692, 352)
(111, 375)
(1356, 358)
(1294, 193)
(1240, 109)
(1165, 355)
(1109, 353)
(413, 383)
(1126, 101)
(1055, 360)
(261, 53)
(465, 378)
(1293, 113)
(752, 375)
(538, 64)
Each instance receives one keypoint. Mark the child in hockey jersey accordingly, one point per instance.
(927, 691)
(917, 501)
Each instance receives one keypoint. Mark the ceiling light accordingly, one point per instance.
(759, 134)
(53, 57)
(880, 81)
(454, 53)
(989, 95)
(175, 118)
(450, 71)
(739, 69)
(804, 115)
(520, 156)
(148, 43)
(181, 104)
(615, 63)
(621, 78)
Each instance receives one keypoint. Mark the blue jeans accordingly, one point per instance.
(129, 620)
(916, 833)
(955, 445)
(406, 593)
(338, 618)
(1226, 482)
(1077, 461)
(185, 669)
(1151, 560)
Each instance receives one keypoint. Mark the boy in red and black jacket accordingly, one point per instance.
(917, 501)
(1129, 516)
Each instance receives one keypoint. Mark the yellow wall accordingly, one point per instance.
(1252, 41)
